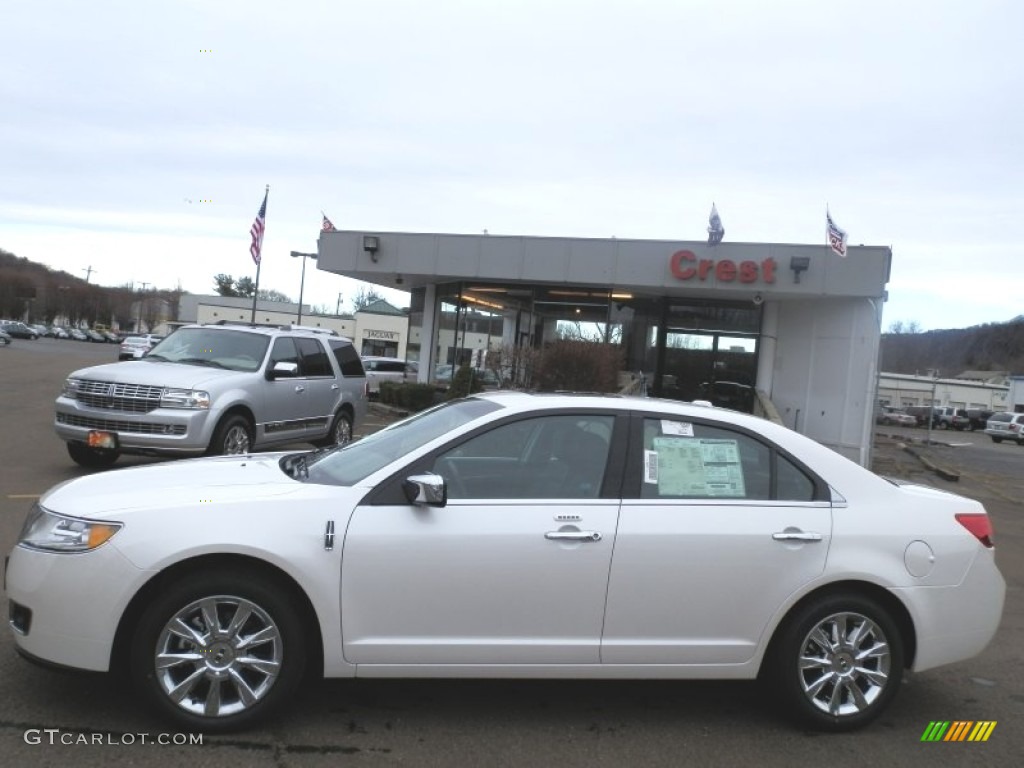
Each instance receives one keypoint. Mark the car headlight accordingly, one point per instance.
(70, 388)
(51, 532)
(196, 399)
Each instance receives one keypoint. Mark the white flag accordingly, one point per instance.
(835, 237)
(715, 229)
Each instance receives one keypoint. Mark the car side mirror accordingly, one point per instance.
(283, 370)
(428, 489)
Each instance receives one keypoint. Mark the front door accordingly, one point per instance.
(513, 570)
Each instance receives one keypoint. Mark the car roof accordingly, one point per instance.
(272, 330)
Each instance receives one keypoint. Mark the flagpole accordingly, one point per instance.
(256, 292)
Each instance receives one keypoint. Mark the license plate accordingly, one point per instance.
(98, 439)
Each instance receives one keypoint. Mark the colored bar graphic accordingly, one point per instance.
(958, 730)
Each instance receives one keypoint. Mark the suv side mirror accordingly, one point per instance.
(283, 370)
(427, 489)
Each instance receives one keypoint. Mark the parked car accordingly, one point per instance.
(41, 330)
(979, 418)
(380, 369)
(134, 347)
(505, 535)
(5, 338)
(58, 333)
(77, 334)
(18, 330)
(1006, 426)
(95, 336)
(111, 337)
(922, 412)
(215, 389)
(953, 418)
(889, 415)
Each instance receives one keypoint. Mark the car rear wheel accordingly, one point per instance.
(341, 431)
(232, 437)
(997, 439)
(838, 662)
(93, 458)
(218, 650)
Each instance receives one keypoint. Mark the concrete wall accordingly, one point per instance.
(823, 384)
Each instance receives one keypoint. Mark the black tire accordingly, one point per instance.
(270, 668)
(232, 437)
(93, 458)
(837, 695)
(341, 431)
(997, 439)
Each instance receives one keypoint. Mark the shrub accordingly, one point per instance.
(578, 366)
(413, 396)
(464, 382)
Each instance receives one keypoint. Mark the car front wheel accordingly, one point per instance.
(838, 662)
(232, 437)
(218, 650)
(93, 458)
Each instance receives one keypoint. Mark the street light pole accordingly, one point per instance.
(302, 285)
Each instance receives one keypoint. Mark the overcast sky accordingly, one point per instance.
(525, 117)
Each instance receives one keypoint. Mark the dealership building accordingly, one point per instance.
(789, 329)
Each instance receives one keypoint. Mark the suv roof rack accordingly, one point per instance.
(277, 326)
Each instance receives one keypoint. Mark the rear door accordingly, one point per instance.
(717, 529)
(323, 391)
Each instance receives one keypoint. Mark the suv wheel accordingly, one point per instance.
(838, 662)
(997, 439)
(341, 431)
(232, 437)
(93, 458)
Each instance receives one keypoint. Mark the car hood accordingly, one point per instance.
(170, 485)
(156, 373)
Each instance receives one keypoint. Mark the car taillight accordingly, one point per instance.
(1014, 427)
(979, 526)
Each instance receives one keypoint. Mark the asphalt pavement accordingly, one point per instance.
(506, 723)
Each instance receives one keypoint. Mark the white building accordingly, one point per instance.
(796, 322)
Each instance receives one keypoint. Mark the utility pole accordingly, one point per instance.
(138, 328)
(88, 272)
(337, 308)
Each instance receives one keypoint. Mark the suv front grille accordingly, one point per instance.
(130, 398)
(115, 425)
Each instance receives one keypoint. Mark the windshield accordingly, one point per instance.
(214, 347)
(356, 461)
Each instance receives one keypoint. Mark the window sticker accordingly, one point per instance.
(680, 428)
(651, 467)
(696, 466)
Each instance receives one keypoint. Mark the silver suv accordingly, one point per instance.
(216, 389)
(1006, 426)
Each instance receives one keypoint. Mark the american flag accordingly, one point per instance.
(257, 230)
(327, 226)
(835, 236)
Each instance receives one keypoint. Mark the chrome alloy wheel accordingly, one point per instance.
(236, 440)
(218, 656)
(342, 430)
(844, 664)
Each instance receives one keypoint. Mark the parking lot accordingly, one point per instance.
(477, 723)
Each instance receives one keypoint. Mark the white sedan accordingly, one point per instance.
(510, 535)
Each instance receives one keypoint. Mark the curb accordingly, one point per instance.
(945, 474)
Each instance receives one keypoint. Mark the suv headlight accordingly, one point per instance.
(51, 532)
(196, 399)
(70, 388)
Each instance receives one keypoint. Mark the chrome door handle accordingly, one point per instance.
(573, 535)
(796, 536)
(299, 388)
(334, 386)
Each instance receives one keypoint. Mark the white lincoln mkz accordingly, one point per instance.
(510, 535)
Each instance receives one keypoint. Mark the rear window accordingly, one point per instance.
(348, 359)
(1001, 417)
